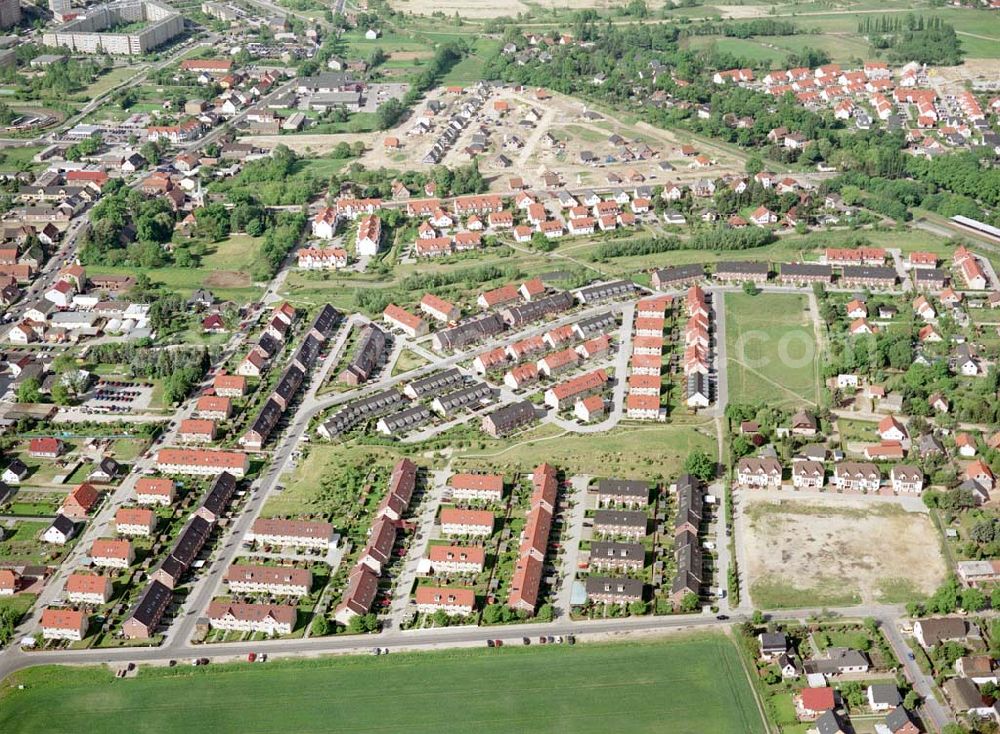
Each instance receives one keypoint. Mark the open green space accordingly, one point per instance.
(687, 686)
(18, 159)
(639, 451)
(224, 269)
(772, 356)
(827, 591)
(304, 493)
(107, 81)
(407, 361)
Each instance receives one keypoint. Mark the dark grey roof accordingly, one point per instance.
(928, 444)
(594, 324)
(838, 658)
(773, 641)
(932, 275)
(689, 505)
(325, 321)
(886, 693)
(829, 723)
(898, 718)
(680, 273)
(690, 560)
(408, 418)
(608, 585)
(471, 331)
(17, 466)
(108, 466)
(463, 396)
(222, 490)
(600, 549)
(308, 351)
(289, 384)
(538, 309)
(685, 581)
(604, 291)
(867, 272)
(64, 525)
(511, 417)
(697, 385)
(434, 384)
(369, 407)
(151, 604)
(742, 267)
(620, 518)
(369, 352)
(624, 488)
(268, 344)
(807, 270)
(267, 418)
(190, 542)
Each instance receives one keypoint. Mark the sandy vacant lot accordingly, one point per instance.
(836, 550)
(531, 152)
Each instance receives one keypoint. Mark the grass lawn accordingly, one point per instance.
(303, 494)
(469, 70)
(322, 168)
(107, 81)
(748, 49)
(20, 603)
(226, 285)
(826, 591)
(15, 159)
(771, 349)
(407, 361)
(634, 452)
(588, 688)
(233, 253)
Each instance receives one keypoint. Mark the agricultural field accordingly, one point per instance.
(818, 551)
(698, 684)
(772, 352)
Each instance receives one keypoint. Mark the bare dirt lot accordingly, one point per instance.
(228, 279)
(836, 551)
(528, 133)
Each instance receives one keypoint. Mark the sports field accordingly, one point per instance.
(771, 349)
(684, 686)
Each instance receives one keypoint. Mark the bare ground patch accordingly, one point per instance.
(228, 279)
(835, 551)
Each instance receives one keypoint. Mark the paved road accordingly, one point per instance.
(15, 659)
(575, 495)
(622, 357)
(932, 710)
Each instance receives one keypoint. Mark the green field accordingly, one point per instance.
(640, 451)
(771, 349)
(684, 686)
(223, 270)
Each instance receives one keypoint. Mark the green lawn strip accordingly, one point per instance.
(768, 593)
(771, 349)
(587, 688)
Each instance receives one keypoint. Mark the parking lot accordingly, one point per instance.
(118, 396)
